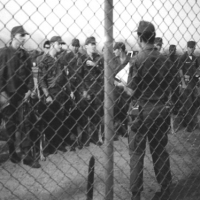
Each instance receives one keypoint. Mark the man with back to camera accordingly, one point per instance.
(188, 67)
(151, 81)
(55, 86)
(16, 84)
(158, 43)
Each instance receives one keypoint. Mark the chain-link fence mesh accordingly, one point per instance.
(84, 91)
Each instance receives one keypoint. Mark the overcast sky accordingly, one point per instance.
(177, 21)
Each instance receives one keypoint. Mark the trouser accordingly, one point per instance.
(55, 118)
(189, 109)
(28, 127)
(120, 111)
(17, 118)
(92, 112)
(155, 130)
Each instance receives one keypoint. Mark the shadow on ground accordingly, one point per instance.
(187, 188)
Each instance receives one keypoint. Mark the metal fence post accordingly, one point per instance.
(108, 108)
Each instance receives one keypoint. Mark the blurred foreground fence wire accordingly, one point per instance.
(108, 85)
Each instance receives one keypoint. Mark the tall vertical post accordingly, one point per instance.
(108, 94)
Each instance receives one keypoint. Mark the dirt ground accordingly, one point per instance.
(63, 176)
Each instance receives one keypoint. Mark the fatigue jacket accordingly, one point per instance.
(15, 71)
(144, 76)
(52, 74)
(189, 67)
(73, 67)
(93, 76)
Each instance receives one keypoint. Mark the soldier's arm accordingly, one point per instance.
(131, 87)
(83, 75)
(42, 73)
(180, 66)
(3, 69)
(3, 78)
(30, 75)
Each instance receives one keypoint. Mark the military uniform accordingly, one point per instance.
(73, 67)
(93, 81)
(189, 66)
(15, 79)
(175, 71)
(120, 98)
(53, 77)
(150, 79)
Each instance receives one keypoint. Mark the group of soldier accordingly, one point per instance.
(69, 98)
(66, 106)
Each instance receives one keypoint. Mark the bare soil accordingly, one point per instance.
(63, 176)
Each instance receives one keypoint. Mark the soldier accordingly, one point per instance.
(150, 81)
(174, 58)
(55, 86)
(188, 67)
(158, 43)
(73, 61)
(16, 83)
(92, 90)
(46, 47)
(121, 98)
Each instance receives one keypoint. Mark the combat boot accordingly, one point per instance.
(13, 155)
(30, 161)
(135, 196)
(164, 194)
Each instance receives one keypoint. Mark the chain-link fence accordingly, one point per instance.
(99, 99)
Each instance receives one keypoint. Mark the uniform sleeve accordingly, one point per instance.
(30, 76)
(133, 75)
(3, 69)
(83, 85)
(42, 73)
(180, 63)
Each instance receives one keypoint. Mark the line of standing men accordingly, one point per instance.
(186, 71)
(71, 87)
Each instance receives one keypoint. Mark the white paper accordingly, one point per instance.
(123, 74)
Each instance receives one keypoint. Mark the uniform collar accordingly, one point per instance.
(148, 47)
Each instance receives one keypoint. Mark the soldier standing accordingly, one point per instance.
(188, 67)
(174, 58)
(121, 98)
(150, 80)
(92, 90)
(73, 62)
(55, 86)
(16, 84)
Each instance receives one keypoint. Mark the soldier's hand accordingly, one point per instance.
(4, 100)
(72, 95)
(117, 83)
(184, 86)
(49, 99)
(85, 94)
(27, 95)
(90, 63)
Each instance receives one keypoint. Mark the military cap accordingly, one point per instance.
(18, 29)
(75, 42)
(158, 40)
(46, 44)
(90, 40)
(145, 26)
(57, 39)
(172, 46)
(119, 45)
(191, 44)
